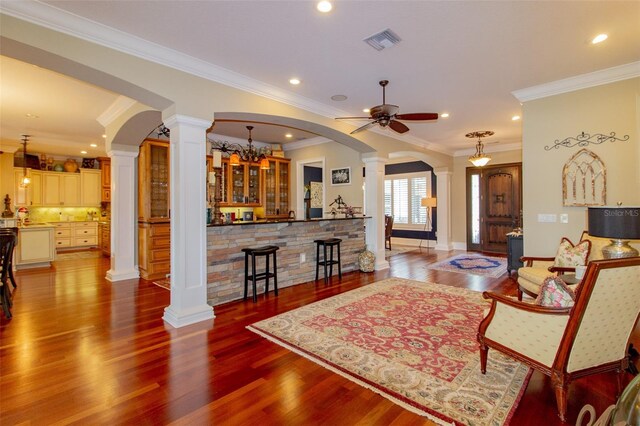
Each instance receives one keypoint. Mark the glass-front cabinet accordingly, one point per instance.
(276, 188)
(153, 183)
(241, 185)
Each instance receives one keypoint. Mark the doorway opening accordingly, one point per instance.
(310, 172)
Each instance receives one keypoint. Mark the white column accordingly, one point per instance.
(188, 222)
(443, 234)
(123, 214)
(374, 207)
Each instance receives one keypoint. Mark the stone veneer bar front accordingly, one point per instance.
(225, 261)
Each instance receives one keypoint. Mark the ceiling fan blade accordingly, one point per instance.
(366, 126)
(398, 126)
(353, 118)
(419, 116)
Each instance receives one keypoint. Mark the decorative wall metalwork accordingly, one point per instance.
(584, 180)
(584, 139)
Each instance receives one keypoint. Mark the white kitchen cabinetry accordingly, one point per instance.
(90, 187)
(22, 194)
(76, 234)
(60, 189)
(35, 247)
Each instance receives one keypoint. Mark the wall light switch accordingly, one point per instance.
(547, 218)
(303, 257)
(564, 218)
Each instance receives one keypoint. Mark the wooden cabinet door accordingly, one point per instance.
(90, 187)
(36, 188)
(70, 194)
(51, 189)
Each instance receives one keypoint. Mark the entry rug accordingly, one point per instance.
(413, 343)
(164, 283)
(476, 264)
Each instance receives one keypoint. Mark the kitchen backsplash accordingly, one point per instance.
(55, 214)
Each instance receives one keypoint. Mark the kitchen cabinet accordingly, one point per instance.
(104, 238)
(241, 185)
(90, 186)
(76, 234)
(35, 247)
(60, 189)
(154, 227)
(276, 188)
(23, 196)
(36, 188)
(105, 179)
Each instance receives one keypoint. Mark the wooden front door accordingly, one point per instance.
(494, 200)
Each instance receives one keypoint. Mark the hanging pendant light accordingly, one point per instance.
(26, 180)
(234, 159)
(479, 159)
(264, 164)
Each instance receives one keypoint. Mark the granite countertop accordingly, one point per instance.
(271, 221)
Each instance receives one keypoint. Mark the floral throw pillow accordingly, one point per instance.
(569, 255)
(554, 293)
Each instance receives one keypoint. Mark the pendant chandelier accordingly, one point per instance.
(239, 153)
(479, 159)
(26, 180)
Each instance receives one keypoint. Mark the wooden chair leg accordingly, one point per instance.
(484, 350)
(519, 294)
(560, 388)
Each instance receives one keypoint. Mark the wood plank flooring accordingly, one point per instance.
(81, 350)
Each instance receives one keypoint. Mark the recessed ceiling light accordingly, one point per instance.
(294, 81)
(32, 116)
(338, 98)
(444, 115)
(94, 145)
(288, 135)
(83, 152)
(324, 6)
(599, 38)
(104, 136)
(367, 110)
(515, 118)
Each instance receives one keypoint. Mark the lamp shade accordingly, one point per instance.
(614, 222)
(428, 202)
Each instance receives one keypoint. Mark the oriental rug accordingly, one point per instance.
(475, 264)
(413, 343)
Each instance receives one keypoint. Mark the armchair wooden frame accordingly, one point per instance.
(568, 327)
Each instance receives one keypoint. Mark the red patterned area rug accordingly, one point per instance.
(413, 343)
(476, 264)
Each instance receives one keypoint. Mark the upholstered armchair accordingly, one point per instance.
(536, 269)
(567, 343)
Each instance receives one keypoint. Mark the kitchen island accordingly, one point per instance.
(36, 246)
(296, 257)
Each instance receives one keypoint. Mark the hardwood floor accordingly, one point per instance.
(80, 350)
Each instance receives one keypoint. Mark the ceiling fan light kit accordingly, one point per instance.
(386, 115)
(479, 159)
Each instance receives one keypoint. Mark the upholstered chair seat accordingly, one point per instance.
(536, 269)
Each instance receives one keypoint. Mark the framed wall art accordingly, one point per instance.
(341, 176)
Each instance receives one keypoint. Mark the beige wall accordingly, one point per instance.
(335, 156)
(459, 191)
(603, 109)
(6, 179)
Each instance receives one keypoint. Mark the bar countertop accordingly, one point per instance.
(271, 221)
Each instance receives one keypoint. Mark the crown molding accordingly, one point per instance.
(578, 82)
(113, 111)
(59, 20)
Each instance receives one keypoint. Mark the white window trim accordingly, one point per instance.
(429, 177)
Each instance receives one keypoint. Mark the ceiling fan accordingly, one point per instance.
(387, 115)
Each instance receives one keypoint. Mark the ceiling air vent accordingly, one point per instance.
(383, 39)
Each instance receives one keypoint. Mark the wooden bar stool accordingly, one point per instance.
(331, 243)
(254, 277)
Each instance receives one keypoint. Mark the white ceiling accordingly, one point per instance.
(464, 58)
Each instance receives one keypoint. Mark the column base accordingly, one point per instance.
(122, 275)
(382, 264)
(177, 318)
